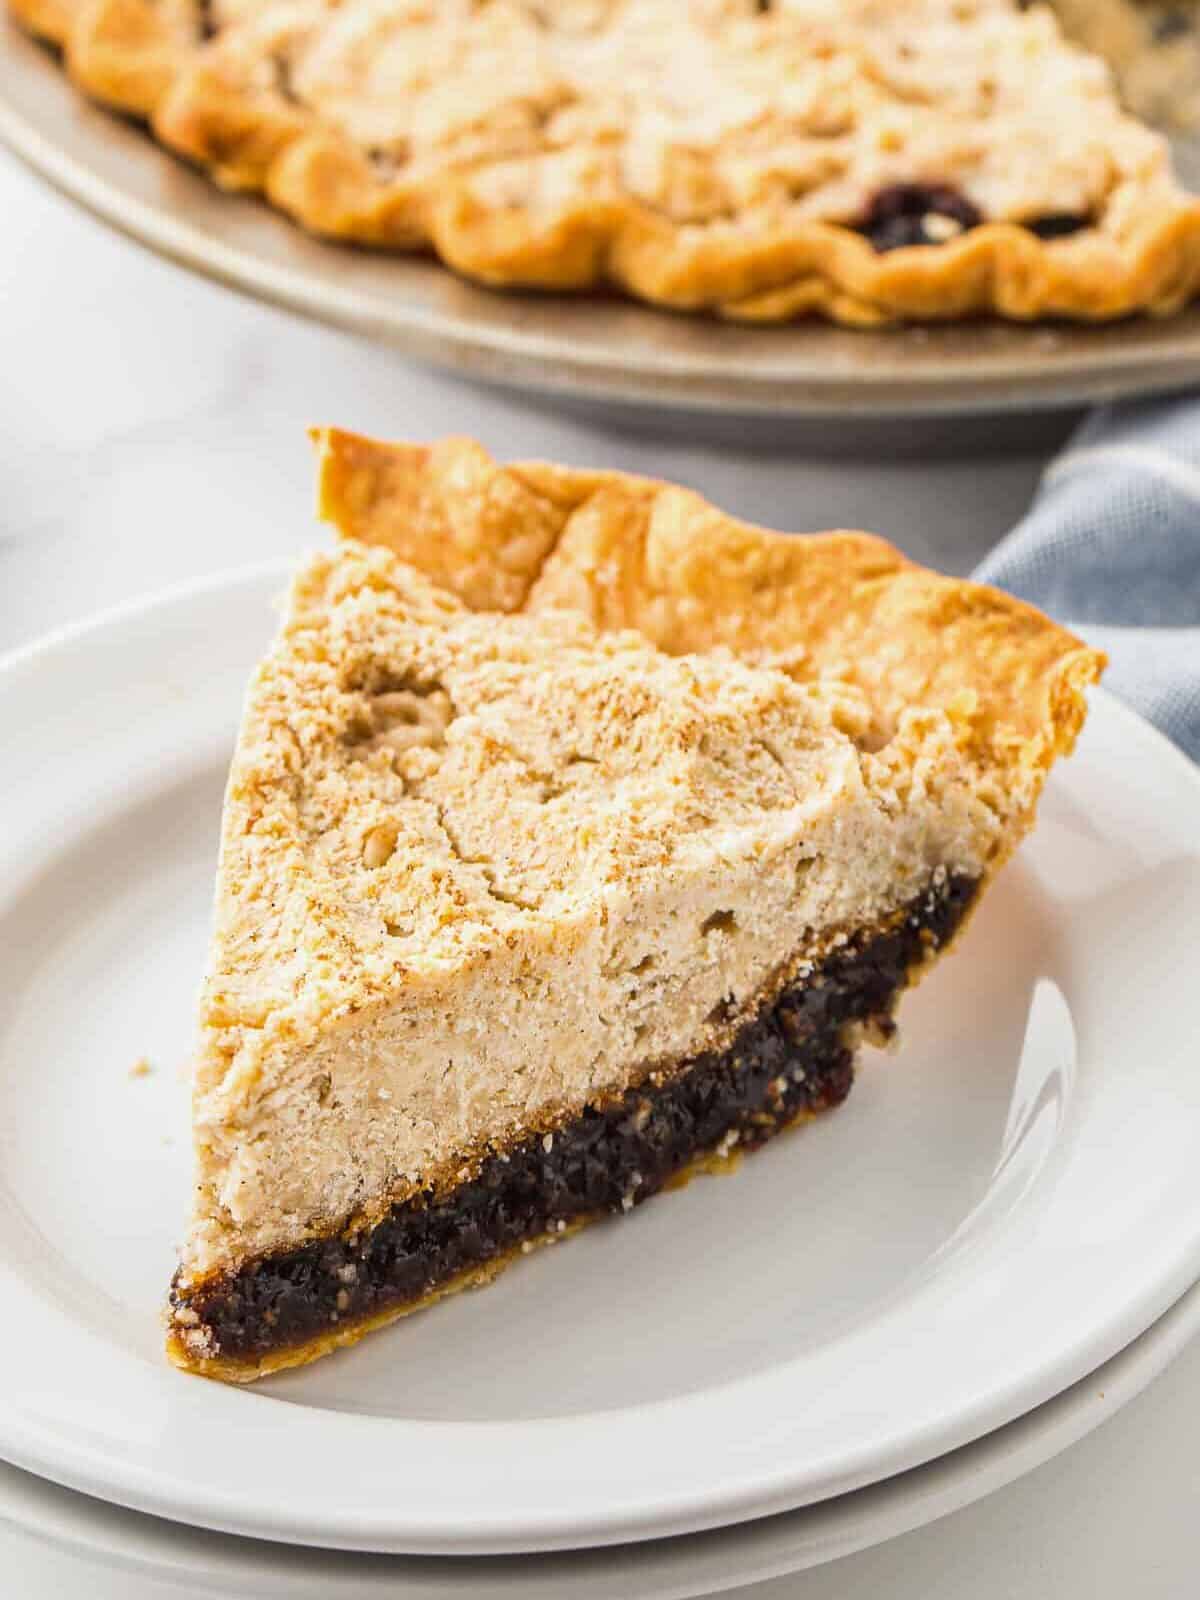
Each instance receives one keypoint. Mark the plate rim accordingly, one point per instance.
(211, 1507)
(752, 1552)
(502, 349)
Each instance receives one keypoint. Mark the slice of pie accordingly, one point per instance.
(864, 160)
(526, 912)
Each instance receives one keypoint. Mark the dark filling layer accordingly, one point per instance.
(899, 216)
(790, 1059)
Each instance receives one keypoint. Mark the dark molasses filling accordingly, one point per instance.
(905, 214)
(792, 1058)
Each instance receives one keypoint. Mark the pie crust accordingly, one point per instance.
(628, 552)
(865, 160)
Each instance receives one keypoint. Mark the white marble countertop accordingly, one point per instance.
(153, 430)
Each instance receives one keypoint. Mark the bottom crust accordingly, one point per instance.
(791, 1061)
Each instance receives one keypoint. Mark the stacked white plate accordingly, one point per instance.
(873, 1322)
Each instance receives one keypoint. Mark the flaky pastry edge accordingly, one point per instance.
(631, 552)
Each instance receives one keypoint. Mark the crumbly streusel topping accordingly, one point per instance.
(415, 781)
(710, 110)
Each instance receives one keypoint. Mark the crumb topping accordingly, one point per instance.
(391, 728)
(712, 111)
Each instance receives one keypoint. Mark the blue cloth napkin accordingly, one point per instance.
(1112, 549)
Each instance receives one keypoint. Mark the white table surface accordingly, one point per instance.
(153, 430)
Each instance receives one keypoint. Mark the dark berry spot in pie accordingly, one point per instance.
(917, 213)
(1058, 225)
(932, 213)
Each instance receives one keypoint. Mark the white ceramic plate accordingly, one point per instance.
(55, 1543)
(993, 1214)
(592, 347)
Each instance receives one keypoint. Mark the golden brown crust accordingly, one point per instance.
(124, 54)
(445, 508)
(566, 213)
(48, 19)
(634, 553)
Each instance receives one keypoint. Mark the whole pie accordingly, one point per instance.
(865, 160)
(575, 836)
